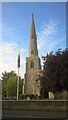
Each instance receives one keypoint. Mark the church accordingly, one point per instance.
(33, 65)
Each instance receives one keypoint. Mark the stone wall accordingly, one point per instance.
(50, 105)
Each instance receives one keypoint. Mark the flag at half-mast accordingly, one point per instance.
(18, 65)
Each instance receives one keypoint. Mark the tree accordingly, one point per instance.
(55, 71)
(9, 84)
(64, 72)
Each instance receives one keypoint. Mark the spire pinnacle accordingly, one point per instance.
(32, 16)
(33, 40)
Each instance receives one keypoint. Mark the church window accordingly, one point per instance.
(31, 64)
(32, 36)
(32, 52)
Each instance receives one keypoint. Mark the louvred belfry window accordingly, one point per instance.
(31, 64)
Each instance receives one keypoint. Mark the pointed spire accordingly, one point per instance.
(33, 32)
(33, 40)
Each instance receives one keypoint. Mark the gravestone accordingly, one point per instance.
(51, 95)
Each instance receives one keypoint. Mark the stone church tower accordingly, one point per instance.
(33, 65)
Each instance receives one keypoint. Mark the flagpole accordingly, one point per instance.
(18, 73)
(18, 86)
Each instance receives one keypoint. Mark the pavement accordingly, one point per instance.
(27, 114)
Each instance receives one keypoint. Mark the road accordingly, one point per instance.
(47, 115)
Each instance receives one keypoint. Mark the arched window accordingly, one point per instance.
(31, 64)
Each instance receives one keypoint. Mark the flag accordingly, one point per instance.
(18, 60)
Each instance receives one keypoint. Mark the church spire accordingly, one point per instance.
(33, 52)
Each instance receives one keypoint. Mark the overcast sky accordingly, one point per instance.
(50, 24)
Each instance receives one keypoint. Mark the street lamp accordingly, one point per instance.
(38, 87)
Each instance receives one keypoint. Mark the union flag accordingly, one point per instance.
(18, 60)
